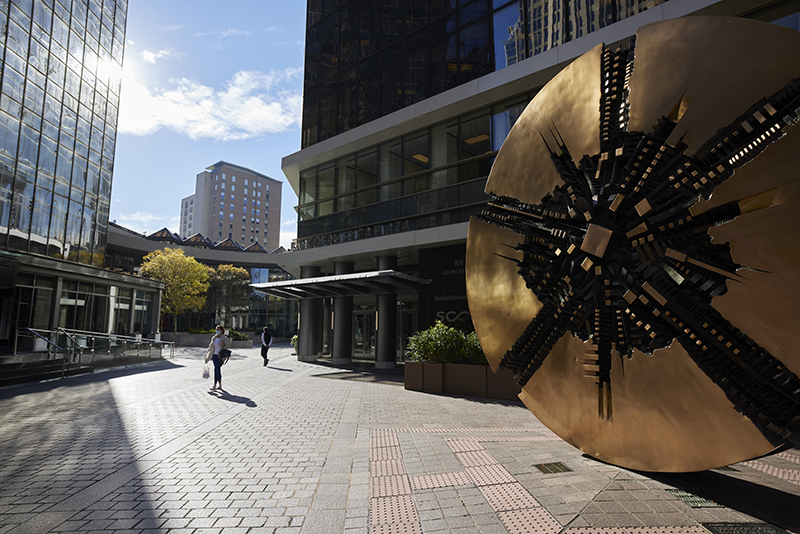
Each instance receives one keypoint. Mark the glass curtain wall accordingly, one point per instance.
(278, 314)
(59, 103)
(431, 177)
(368, 58)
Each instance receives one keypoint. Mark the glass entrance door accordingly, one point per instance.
(364, 335)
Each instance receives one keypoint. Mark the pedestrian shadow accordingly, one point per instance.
(280, 369)
(224, 395)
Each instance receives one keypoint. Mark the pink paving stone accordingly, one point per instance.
(385, 440)
(464, 444)
(397, 528)
(504, 497)
(789, 456)
(385, 468)
(390, 510)
(790, 475)
(488, 475)
(385, 453)
(637, 530)
(475, 458)
(388, 486)
(443, 480)
(536, 520)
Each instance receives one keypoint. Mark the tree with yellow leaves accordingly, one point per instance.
(185, 281)
(230, 287)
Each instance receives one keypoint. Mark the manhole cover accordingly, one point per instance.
(693, 500)
(743, 528)
(555, 467)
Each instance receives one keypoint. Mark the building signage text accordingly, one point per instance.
(376, 230)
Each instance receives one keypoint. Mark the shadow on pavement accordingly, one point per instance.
(764, 503)
(100, 375)
(280, 369)
(355, 376)
(224, 395)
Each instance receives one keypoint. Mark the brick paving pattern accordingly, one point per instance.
(307, 448)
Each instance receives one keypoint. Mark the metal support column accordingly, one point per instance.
(386, 336)
(309, 335)
(342, 347)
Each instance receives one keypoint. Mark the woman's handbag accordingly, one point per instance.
(224, 356)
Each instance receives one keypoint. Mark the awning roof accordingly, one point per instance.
(344, 285)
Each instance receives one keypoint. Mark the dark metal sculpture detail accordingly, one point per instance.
(619, 257)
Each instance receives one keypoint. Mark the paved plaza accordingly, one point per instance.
(308, 448)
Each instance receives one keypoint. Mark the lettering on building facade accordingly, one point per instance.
(376, 230)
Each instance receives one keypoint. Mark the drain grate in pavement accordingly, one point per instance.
(743, 528)
(693, 500)
(555, 467)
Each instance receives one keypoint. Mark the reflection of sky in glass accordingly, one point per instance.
(509, 43)
(259, 275)
(792, 21)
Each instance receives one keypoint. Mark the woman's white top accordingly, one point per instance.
(217, 344)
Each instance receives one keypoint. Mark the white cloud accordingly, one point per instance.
(171, 28)
(287, 238)
(251, 104)
(150, 57)
(146, 223)
(230, 32)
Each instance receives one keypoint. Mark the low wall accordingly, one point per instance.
(200, 340)
(461, 379)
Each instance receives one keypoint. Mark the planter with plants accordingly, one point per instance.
(446, 360)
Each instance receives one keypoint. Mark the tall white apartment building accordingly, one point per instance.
(233, 202)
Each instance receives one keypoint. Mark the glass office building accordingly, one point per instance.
(365, 59)
(406, 104)
(61, 77)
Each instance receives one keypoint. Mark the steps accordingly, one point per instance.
(34, 366)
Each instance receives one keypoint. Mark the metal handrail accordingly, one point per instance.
(93, 337)
(64, 351)
(37, 334)
(74, 343)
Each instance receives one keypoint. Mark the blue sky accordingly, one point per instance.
(203, 82)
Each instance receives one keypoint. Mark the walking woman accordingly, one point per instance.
(266, 343)
(218, 342)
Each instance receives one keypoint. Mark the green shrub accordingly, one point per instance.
(236, 336)
(443, 344)
(294, 342)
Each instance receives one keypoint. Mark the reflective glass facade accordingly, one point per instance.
(430, 177)
(368, 58)
(61, 71)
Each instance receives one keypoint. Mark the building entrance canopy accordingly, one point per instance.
(344, 285)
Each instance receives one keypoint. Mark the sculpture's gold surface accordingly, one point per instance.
(569, 102)
(638, 267)
(495, 292)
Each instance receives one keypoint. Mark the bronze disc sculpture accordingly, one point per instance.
(637, 267)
